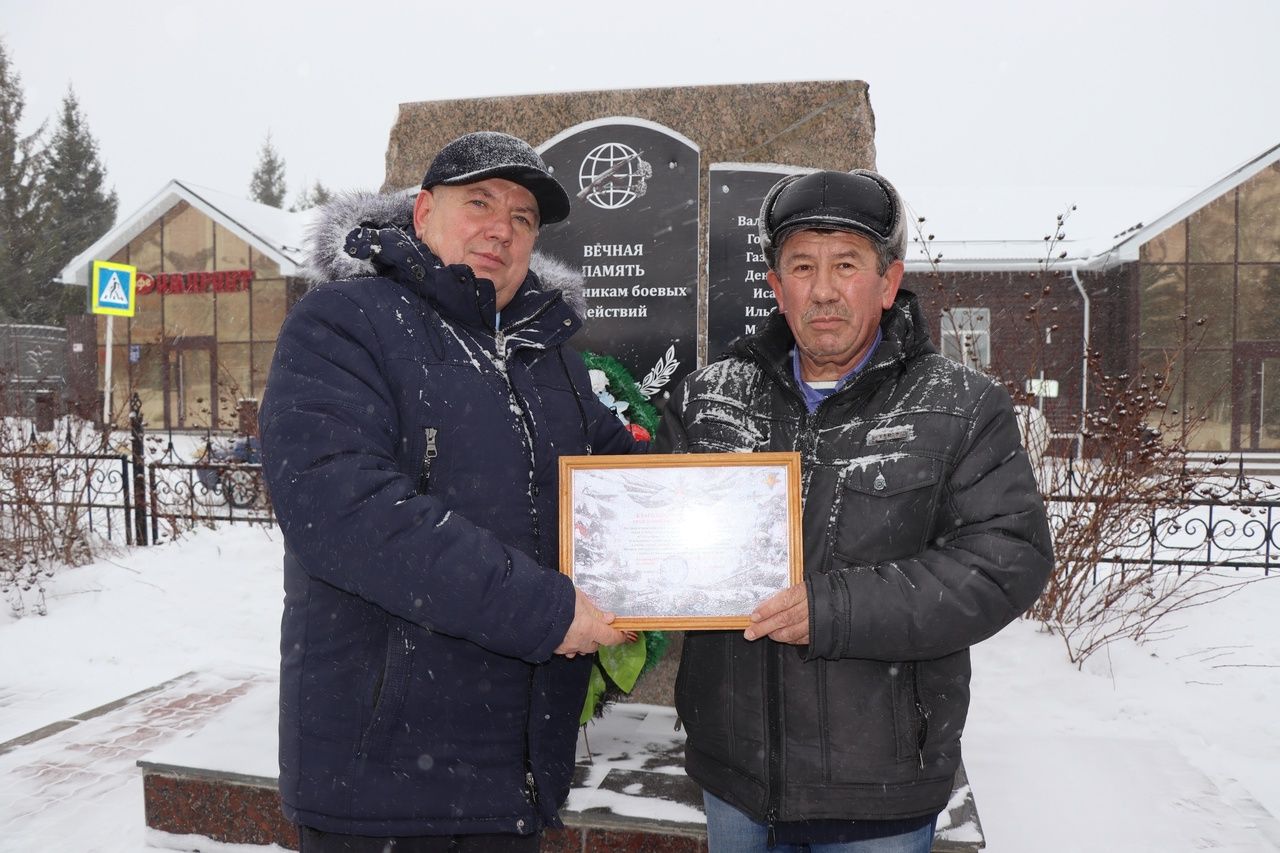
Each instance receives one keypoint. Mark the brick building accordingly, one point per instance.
(1192, 292)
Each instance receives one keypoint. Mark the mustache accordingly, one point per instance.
(822, 312)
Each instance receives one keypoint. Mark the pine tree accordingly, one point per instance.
(23, 257)
(267, 185)
(78, 206)
(315, 197)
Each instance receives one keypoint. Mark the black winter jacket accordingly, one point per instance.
(924, 533)
(411, 454)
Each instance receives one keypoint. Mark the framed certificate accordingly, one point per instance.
(687, 541)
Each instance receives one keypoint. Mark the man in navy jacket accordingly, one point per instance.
(433, 662)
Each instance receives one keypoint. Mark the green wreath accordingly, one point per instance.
(616, 669)
(638, 410)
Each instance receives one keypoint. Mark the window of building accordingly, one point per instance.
(1208, 399)
(234, 380)
(1212, 232)
(1259, 303)
(1210, 306)
(966, 336)
(188, 240)
(1168, 248)
(268, 307)
(232, 252)
(1208, 288)
(1260, 217)
(1163, 293)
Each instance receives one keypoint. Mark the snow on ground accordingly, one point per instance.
(1172, 745)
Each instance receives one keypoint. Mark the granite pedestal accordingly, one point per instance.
(629, 793)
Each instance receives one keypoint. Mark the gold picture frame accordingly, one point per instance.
(690, 541)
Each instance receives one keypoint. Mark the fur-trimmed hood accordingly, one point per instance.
(328, 258)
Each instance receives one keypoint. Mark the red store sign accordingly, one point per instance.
(223, 281)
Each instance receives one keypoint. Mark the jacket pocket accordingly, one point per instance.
(887, 507)
(868, 724)
(910, 717)
(389, 692)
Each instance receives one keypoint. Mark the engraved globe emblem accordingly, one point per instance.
(612, 175)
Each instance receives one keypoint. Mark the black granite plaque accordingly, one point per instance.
(633, 234)
(739, 297)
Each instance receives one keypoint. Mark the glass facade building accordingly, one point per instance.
(1209, 309)
(209, 307)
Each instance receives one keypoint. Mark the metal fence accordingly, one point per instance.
(115, 492)
(32, 367)
(89, 490)
(205, 492)
(1221, 523)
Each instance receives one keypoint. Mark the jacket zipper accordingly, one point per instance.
(530, 783)
(922, 713)
(428, 455)
(773, 786)
(500, 343)
(500, 351)
(773, 669)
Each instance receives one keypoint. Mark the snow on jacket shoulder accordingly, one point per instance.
(924, 533)
(411, 452)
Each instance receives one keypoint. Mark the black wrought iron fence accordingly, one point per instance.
(68, 489)
(183, 493)
(87, 484)
(1220, 523)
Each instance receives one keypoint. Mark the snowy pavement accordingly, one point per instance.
(222, 727)
(77, 779)
(1168, 746)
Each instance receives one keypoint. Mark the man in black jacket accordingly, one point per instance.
(433, 661)
(834, 720)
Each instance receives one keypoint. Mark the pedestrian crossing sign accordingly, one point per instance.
(114, 288)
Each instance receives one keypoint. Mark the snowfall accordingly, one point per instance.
(1170, 745)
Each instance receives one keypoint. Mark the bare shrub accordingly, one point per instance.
(1123, 497)
(1123, 513)
(45, 488)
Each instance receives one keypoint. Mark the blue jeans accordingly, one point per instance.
(731, 831)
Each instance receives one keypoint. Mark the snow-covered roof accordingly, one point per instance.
(1004, 228)
(276, 233)
(1231, 180)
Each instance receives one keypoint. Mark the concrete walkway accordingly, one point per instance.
(74, 784)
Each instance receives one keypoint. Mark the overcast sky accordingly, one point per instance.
(1016, 93)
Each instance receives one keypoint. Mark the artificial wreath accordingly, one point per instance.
(613, 384)
(617, 668)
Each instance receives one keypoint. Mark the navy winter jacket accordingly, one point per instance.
(411, 454)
